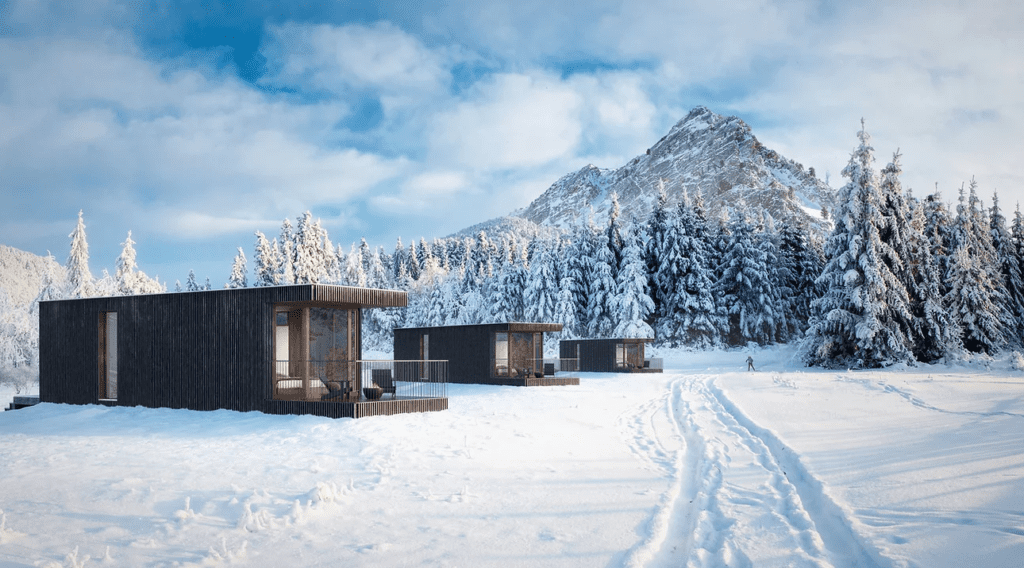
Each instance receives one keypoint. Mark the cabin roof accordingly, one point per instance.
(325, 293)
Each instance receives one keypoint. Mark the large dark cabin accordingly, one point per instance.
(280, 350)
(509, 354)
(617, 355)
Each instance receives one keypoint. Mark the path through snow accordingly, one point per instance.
(739, 496)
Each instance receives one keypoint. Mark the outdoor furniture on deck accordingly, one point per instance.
(383, 379)
(336, 389)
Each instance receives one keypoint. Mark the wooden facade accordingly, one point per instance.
(617, 355)
(475, 354)
(202, 350)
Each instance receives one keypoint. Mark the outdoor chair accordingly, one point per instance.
(336, 388)
(383, 379)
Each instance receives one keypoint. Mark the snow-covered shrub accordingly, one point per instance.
(1017, 361)
(20, 377)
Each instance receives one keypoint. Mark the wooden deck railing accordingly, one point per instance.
(359, 380)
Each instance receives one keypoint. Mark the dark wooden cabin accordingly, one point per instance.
(280, 350)
(617, 355)
(509, 354)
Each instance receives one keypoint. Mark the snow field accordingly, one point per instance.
(509, 477)
(704, 466)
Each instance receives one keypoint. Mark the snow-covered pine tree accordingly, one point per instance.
(689, 315)
(970, 300)
(354, 275)
(52, 288)
(746, 286)
(657, 249)
(632, 304)
(470, 291)
(1009, 267)
(1015, 282)
(506, 296)
(427, 256)
(482, 253)
(799, 266)
(857, 320)
(565, 311)
(285, 275)
(124, 272)
(376, 274)
(601, 320)
(976, 291)
(127, 278)
(895, 231)
(398, 261)
(577, 269)
(936, 333)
(309, 257)
(190, 283)
(938, 230)
(541, 289)
(413, 264)
(613, 233)
(266, 259)
(239, 278)
(286, 244)
(208, 285)
(80, 281)
(435, 304)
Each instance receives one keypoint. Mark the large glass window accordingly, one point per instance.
(331, 334)
(633, 356)
(314, 349)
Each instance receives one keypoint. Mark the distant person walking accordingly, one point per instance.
(750, 363)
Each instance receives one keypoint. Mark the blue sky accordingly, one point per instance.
(195, 125)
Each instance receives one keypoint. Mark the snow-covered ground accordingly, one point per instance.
(705, 465)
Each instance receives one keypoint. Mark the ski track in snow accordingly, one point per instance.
(737, 495)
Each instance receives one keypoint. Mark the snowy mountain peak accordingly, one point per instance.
(716, 157)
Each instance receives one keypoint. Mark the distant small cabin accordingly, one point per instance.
(490, 354)
(280, 350)
(617, 355)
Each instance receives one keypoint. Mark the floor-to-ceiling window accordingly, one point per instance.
(314, 347)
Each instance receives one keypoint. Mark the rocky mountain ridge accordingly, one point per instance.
(705, 154)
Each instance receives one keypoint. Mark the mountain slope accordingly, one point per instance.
(705, 154)
(21, 273)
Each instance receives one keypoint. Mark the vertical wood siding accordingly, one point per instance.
(596, 355)
(198, 350)
(469, 349)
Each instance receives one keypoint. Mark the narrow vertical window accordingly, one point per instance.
(501, 354)
(108, 356)
(281, 356)
(620, 355)
(538, 352)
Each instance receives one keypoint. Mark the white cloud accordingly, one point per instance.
(102, 119)
(509, 121)
(943, 85)
(379, 57)
(432, 192)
